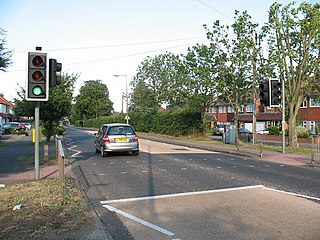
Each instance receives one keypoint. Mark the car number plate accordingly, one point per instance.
(122, 139)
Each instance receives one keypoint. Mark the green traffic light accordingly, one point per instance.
(37, 90)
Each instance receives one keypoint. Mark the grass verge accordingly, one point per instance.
(41, 215)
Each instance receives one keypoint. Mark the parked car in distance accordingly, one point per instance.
(1, 129)
(13, 126)
(218, 130)
(116, 137)
(244, 135)
(264, 131)
(27, 125)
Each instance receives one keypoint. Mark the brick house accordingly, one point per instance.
(6, 110)
(221, 113)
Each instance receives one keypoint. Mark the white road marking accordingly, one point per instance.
(180, 194)
(139, 220)
(294, 194)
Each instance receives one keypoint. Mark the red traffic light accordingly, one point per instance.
(37, 61)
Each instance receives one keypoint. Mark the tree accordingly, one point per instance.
(202, 69)
(93, 101)
(143, 99)
(5, 54)
(57, 107)
(233, 54)
(294, 43)
(163, 78)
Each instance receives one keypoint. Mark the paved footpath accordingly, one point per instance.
(12, 171)
(272, 156)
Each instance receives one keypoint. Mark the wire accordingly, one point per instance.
(215, 9)
(121, 45)
(128, 55)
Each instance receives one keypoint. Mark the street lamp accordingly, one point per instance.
(127, 115)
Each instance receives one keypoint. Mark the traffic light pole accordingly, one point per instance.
(37, 138)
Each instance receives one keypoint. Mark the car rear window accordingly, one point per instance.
(120, 130)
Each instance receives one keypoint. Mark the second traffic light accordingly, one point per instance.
(54, 75)
(275, 90)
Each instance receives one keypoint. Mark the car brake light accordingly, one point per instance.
(106, 138)
(136, 138)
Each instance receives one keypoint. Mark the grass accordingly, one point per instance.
(42, 216)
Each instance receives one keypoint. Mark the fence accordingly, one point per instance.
(61, 163)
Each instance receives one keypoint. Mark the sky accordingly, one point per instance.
(98, 39)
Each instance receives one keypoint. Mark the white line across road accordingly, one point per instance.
(179, 194)
(153, 226)
(108, 204)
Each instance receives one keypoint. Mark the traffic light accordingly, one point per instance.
(37, 84)
(264, 93)
(276, 92)
(54, 69)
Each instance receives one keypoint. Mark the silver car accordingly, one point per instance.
(116, 137)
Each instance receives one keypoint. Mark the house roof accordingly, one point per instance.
(5, 101)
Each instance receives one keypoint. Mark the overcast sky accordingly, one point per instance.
(101, 38)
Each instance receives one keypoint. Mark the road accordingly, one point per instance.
(174, 192)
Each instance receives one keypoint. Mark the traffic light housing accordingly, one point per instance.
(264, 93)
(54, 69)
(37, 84)
(276, 92)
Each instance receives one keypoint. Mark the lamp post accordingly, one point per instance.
(127, 115)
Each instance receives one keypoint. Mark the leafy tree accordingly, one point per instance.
(143, 99)
(5, 54)
(202, 68)
(57, 107)
(294, 43)
(233, 54)
(93, 101)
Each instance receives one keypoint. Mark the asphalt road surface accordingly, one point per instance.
(174, 192)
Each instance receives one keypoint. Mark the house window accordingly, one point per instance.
(214, 109)
(222, 109)
(304, 124)
(314, 102)
(313, 126)
(230, 109)
(249, 108)
(241, 108)
(304, 104)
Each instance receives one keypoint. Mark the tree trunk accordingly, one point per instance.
(293, 139)
(235, 120)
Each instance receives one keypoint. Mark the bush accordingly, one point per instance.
(22, 132)
(174, 123)
(274, 130)
(303, 132)
(60, 130)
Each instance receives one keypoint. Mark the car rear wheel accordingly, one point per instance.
(135, 153)
(102, 153)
